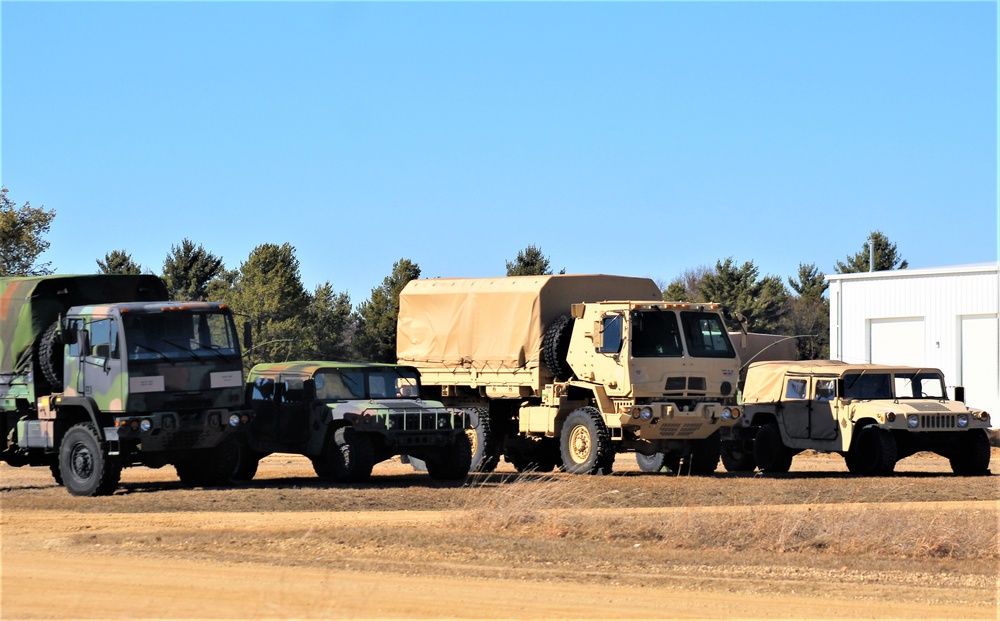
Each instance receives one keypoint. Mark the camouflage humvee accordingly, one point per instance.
(96, 375)
(347, 417)
(873, 415)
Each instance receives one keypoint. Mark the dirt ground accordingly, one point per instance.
(816, 543)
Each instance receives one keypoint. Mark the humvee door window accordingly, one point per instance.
(918, 386)
(795, 389)
(706, 336)
(826, 389)
(867, 386)
(611, 335)
(263, 389)
(291, 390)
(655, 334)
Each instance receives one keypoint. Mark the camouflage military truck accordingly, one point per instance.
(97, 375)
(873, 415)
(346, 417)
(568, 370)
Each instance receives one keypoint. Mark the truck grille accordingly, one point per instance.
(937, 421)
(679, 430)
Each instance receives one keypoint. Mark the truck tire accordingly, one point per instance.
(50, 357)
(555, 347)
(351, 456)
(484, 440)
(736, 459)
(703, 457)
(86, 469)
(585, 443)
(650, 463)
(971, 457)
(538, 456)
(769, 452)
(872, 452)
(453, 462)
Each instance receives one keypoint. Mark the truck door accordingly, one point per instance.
(822, 413)
(794, 413)
(103, 371)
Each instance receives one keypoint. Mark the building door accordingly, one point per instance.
(980, 371)
(897, 341)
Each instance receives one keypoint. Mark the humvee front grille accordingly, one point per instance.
(938, 421)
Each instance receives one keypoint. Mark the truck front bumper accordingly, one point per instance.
(170, 431)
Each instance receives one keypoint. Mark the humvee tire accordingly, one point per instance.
(85, 468)
(872, 452)
(769, 451)
(451, 464)
(971, 456)
(351, 456)
(585, 443)
(555, 347)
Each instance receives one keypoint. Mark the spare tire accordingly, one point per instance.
(50, 357)
(555, 347)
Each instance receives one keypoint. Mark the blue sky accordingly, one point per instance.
(640, 138)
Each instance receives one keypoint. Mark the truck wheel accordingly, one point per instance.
(704, 457)
(536, 459)
(352, 456)
(555, 347)
(50, 357)
(483, 440)
(585, 443)
(86, 469)
(453, 462)
(56, 474)
(769, 451)
(650, 463)
(735, 459)
(872, 452)
(971, 457)
(208, 467)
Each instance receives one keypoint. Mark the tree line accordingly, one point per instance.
(290, 322)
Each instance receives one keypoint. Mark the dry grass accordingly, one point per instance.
(558, 508)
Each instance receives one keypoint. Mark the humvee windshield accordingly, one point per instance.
(179, 335)
(867, 386)
(389, 383)
(919, 386)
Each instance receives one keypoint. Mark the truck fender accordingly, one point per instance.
(74, 405)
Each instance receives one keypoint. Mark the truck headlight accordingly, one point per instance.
(646, 413)
(234, 420)
(727, 414)
(963, 420)
(912, 421)
(146, 424)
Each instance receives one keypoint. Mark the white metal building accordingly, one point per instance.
(948, 318)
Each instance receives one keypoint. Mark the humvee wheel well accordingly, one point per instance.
(858, 426)
(763, 418)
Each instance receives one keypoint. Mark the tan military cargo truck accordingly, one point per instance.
(873, 415)
(567, 370)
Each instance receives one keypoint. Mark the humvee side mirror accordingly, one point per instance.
(960, 394)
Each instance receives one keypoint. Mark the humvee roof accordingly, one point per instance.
(765, 380)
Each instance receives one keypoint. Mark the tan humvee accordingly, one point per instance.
(873, 415)
(570, 369)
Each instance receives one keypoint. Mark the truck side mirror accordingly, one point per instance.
(960, 394)
(247, 335)
(598, 336)
(840, 387)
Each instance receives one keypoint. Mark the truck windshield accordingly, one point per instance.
(179, 335)
(655, 334)
(706, 336)
(918, 386)
(867, 386)
(389, 383)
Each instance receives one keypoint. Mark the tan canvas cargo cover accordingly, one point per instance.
(765, 380)
(497, 323)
